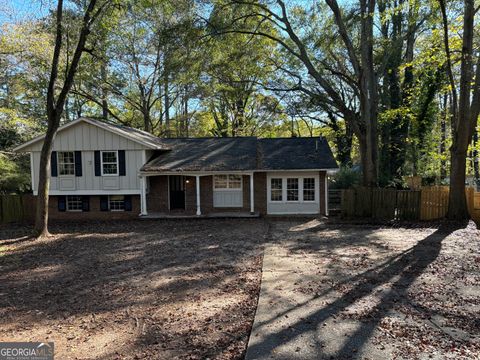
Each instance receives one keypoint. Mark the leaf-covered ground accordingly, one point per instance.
(133, 290)
(343, 291)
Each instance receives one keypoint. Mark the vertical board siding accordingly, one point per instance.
(87, 138)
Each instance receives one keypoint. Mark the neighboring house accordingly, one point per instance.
(102, 169)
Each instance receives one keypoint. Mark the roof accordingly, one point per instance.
(295, 153)
(241, 154)
(139, 136)
(206, 154)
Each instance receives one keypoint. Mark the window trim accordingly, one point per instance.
(73, 210)
(298, 189)
(58, 164)
(116, 210)
(228, 188)
(281, 190)
(300, 178)
(314, 190)
(101, 162)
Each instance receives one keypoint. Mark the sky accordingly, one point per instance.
(18, 10)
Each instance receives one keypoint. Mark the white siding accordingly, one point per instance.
(84, 136)
(293, 207)
(88, 138)
(227, 198)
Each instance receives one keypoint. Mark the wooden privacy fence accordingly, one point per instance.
(428, 203)
(15, 208)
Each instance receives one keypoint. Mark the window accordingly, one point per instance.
(309, 189)
(276, 189)
(66, 163)
(222, 182)
(116, 203)
(74, 203)
(292, 189)
(109, 163)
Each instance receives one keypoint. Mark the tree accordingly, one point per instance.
(56, 102)
(465, 97)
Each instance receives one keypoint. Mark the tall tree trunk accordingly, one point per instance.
(55, 108)
(103, 75)
(466, 110)
(443, 139)
(167, 104)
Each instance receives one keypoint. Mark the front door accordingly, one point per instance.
(177, 192)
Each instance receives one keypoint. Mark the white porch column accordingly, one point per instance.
(143, 195)
(197, 183)
(252, 205)
(326, 194)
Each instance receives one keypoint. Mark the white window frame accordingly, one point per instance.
(281, 190)
(59, 163)
(68, 197)
(228, 188)
(300, 189)
(314, 190)
(101, 162)
(299, 180)
(116, 210)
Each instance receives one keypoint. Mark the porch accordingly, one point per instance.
(185, 195)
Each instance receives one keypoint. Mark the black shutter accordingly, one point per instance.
(85, 203)
(127, 201)
(97, 163)
(62, 203)
(53, 164)
(104, 203)
(78, 163)
(121, 163)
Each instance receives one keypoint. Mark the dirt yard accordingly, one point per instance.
(133, 290)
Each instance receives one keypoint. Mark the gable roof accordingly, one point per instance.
(242, 154)
(139, 136)
(295, 153)
(206, 154)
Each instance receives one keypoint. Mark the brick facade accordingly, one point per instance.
(94, 213)
(157, 198)
(322, 176)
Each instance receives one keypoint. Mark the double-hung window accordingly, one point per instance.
(276, 189)
(292, 189)
(66, 163)
(109, 163)
(308, 189)
(116, 203)
(74, 203)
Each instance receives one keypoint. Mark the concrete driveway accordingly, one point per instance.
(356, 292)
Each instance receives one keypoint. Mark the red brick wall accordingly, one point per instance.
(260, 192)
(157, 197)
(94, 213)
(322, 192)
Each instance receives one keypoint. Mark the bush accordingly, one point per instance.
(346, 178)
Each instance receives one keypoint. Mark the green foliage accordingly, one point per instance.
(346, 178)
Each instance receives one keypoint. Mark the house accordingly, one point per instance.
(99, 169)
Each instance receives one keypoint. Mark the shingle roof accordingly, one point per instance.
(242, 153)
(295, 153)
(206, 154)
